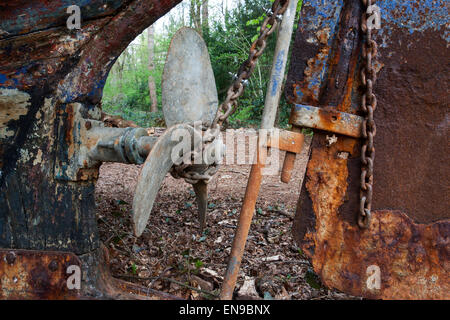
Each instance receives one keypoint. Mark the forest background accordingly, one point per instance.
(133, 87)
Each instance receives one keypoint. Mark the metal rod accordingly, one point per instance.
(255, 178)
(243, 227)
(273, 94)
(289, 161)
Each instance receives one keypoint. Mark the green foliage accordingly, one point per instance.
(198, 264)
(133, 268)
(228, 39)
(312, 279)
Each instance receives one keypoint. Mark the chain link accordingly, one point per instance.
(368, 106)
(193, 173)
(245, 71)
(228, 107)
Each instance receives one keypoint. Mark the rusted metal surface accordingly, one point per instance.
(413, 259)
(285, 140)
(289, 161)
(36, 16)
(311, 49)
(288, 141)
(326, 119)
(36, 275)
(243, 227)
(47, 275)
(45, 71)
(407, 244)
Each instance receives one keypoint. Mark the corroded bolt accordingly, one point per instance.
(11, 257)
(88, 125)
(53, 266)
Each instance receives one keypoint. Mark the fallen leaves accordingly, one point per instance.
(173, 256)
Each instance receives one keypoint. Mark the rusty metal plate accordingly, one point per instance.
(189, 91)
(326, 119)
(36, 274)
(285, 140)
(405, 252)
(45, 67)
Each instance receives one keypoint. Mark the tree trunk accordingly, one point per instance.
(151, 67)
(205, 22)
(192, 14)
(120, 63)
(195, 18)
(182, 15)
(198, 22)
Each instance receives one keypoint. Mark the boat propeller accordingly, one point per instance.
(189, 103)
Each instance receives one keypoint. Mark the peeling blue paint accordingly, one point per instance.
(429, 14)
(326, 17)
(327, 14)
(277, 77)
(3, 78)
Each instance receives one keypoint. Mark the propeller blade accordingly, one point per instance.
(201, 192)
(158, 163)
(189, 91)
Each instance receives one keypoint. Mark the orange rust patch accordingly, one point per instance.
(413, 259)
(315, 66)
(87, 174)
(35, 274)
(289, 141)
(69, 130)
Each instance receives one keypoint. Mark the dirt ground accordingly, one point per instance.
(173, 256)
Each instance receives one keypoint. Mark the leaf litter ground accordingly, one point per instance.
(173, 256)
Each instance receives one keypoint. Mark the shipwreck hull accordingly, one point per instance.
(50, 75)
(51, 79)
(405, 252)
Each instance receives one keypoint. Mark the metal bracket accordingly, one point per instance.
(285, 140)
(84, 143)
(326, 119)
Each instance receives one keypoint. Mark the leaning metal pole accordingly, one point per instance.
(255, 178)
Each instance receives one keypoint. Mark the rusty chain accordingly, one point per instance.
(268, 26)
(368, 106)
(228, 107)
